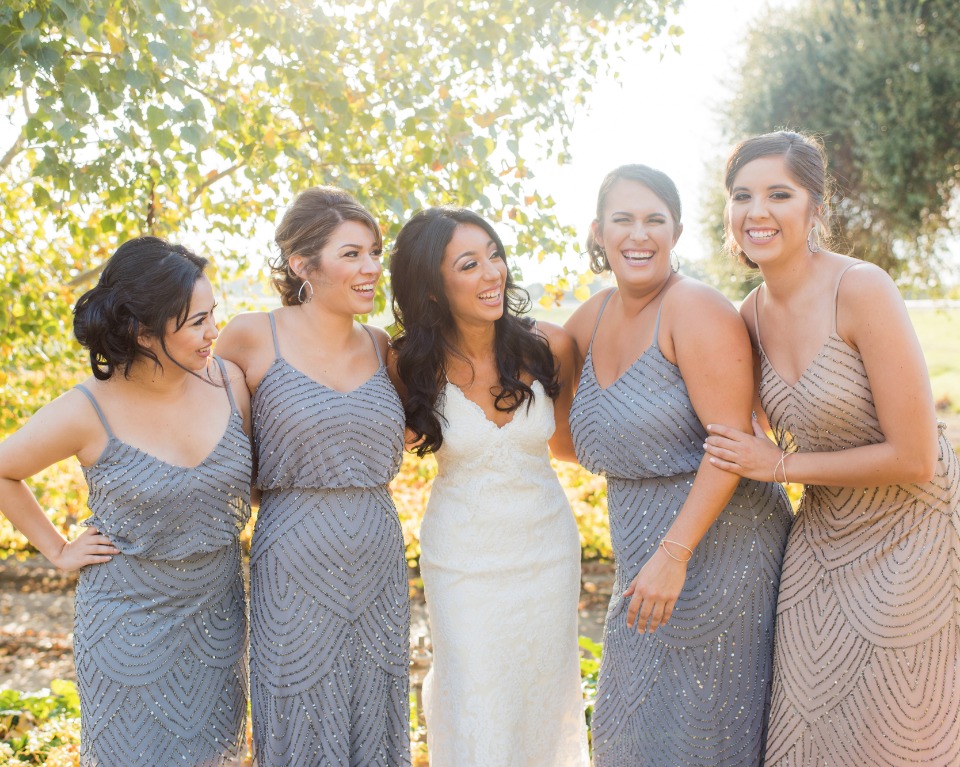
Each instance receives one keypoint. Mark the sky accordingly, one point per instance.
(663, 113)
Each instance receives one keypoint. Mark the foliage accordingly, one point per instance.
(41, 727)
(591, 653)
(879, 80)
(198, 120)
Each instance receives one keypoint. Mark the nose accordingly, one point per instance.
(757, 207)
(371, 265)
(212, 332)
(639, 232)
(490, 270)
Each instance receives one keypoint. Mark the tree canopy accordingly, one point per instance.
(879, 81)
(197, 120)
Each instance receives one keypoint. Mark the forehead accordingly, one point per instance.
(352, 233)
(202, 297)
(765, 171)
(628, 195)
(466, 237)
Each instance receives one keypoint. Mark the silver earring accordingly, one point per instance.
(674, 262)
(813, 244)
(305, 299)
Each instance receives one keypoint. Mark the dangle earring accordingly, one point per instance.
(302, 297)
(813, 244)
(674, 262)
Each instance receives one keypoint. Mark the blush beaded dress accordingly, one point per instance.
(160, 634)
(329, 607)
(696, 691)
(867, 662)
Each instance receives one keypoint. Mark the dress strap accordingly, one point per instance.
(756, 314)
(376, 346)
(600, 314)
(273, 330)
(836, 292)
(226, 385)
(93, 401)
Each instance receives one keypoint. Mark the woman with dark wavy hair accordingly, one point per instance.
(486, 390)
(160, 429)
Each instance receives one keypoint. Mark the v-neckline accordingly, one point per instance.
(483, 413)
(810, 364)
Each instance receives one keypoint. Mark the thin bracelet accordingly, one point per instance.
(663, 545)
(783, 463)
(778, 464)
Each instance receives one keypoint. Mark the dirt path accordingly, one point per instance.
(36, 619)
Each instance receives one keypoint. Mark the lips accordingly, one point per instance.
(491, 296)
(762, 235)
(366, 290)
(637, 256)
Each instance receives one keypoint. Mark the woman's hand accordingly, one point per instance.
(752, 456)
(90, 548)
(655, 591)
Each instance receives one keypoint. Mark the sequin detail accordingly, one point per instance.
(867, 663)
(160, 633)
(696, 692)
(329, 611)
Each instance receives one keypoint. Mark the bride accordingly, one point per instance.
(485, 390)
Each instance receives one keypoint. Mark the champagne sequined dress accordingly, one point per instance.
(867, 661)
(329, 609)
(696, 691)
(160, 633)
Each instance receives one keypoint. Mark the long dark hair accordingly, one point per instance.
(423, 319)
(145, 283)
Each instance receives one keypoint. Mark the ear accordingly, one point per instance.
(597, 232)
(677, 231)
(296, 265)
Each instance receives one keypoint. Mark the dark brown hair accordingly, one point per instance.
(806, 163)
(306, 228)
(656, 181)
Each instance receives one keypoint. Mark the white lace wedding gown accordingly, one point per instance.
(500, 560)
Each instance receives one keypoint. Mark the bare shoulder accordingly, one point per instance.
(748, 311)
(863, 283)
(246, 328)
(691, 301)
(381, 338)
(560, 340)
(234, 374)
(581, 323)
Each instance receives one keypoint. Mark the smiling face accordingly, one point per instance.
(189, 346)
(769, 213)
(637, 231)
(344, 278)
(474, 276)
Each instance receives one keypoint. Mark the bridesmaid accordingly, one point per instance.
(330, 616)
(685, 676)
(866, 668)
(160, 632)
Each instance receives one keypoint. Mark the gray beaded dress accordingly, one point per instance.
(867, 661)
(329, 607)
(160, 632)
(697, 691)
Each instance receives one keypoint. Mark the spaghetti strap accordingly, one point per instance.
(756, 314)
(96, 406)
(226, 385)
(600, 314)
(836, 293)
(376, 346)
(273, 330)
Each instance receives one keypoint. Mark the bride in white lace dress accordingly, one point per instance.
(500, 552)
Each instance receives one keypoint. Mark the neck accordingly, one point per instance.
(788, 277)
(335, 328)
(167, 382)
(475, 342)
(635, 302)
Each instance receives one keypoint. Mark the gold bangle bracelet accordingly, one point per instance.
(663, 545)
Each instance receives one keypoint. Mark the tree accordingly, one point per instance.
(879, 81)
(197, 120)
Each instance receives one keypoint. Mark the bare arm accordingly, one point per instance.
(872, 317)
(246, 341)
(564, 354)
(712, 350)
(66, 427)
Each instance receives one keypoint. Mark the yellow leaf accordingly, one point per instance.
(270, 137)
(582, 293)
(117, 45)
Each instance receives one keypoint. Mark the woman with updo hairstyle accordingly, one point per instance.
(688, 637)
(329, 608)
(866, 666)
(161, 431)
(486, 391)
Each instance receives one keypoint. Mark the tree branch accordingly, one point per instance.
(213, 180)
(12, 152)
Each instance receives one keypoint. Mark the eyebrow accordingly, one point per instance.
(201, 314)
(772, 186)
(471, 252)
(629, 213)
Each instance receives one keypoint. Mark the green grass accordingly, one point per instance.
(939, 334)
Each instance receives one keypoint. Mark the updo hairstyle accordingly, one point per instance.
(144, 284)
(656, 181)
(807, 164)
(306, 228)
